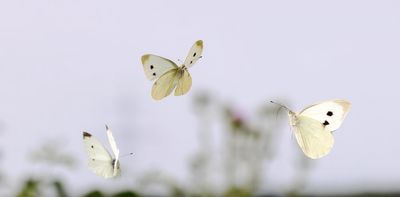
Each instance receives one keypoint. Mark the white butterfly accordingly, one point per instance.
(168, 74)
(100, 160)
(313, 126)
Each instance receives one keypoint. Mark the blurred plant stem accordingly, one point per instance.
(200, 163)
(300, 178)
(245, 148)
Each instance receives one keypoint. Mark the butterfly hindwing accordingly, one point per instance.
(313, 138)
(330, 113)
(155, 66)
(194, 54)
(102, 168)
(164, 85)
(184, 83)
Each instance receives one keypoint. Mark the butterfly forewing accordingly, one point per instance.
(314, 140)
(114, 149)
(164, 85)
(99, 161)
(155, 66)
(329, 113)
(95, 149)
(112, 142)
(194, 54)
(184, 84)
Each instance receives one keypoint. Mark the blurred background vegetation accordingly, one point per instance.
(233, 169)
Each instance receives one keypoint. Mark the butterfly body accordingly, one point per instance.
(100, 161)
(292, 118)
(170, 76)
(313, 126)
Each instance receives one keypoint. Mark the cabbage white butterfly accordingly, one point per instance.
(168, 74)
(100, 160)
(313, 126)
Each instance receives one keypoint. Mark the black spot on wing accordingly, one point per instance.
(92, 146)
(154, 74)
(329, 113)
(151, 67)
(191, 62)
(325, 123)
(194, 54)
(86, 134)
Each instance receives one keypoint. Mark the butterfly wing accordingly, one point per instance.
(104, 169)
(100, 160)
(164, 85)
(155, 66)
(184, 83)
(330, 113)
(194, 54)
(114, 149)
(112, 142)
(313, 138)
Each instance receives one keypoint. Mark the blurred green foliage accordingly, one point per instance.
(30, 189)
(52, 153)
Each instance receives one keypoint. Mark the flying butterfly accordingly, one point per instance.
(100, 161)
(313, 126)
(170, 76)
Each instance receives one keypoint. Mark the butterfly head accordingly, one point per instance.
(292, 118)
(181, 71)
(183, 67)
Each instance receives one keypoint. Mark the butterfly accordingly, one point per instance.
(313, 126)
(100, 160)
(168, 74)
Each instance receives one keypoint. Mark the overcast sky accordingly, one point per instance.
(68, 66)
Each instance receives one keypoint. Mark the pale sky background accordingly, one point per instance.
(68, 66)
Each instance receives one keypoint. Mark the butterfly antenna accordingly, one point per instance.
(279, 109)
(280, 105)
(129, 154)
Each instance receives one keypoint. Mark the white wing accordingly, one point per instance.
(155, 66)
(114, 148)
(194, 54)
(103, 168)
(164, 85)
(314, 140)
(330, 113)
(100, 160)
(184, 83)
(112, 142)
